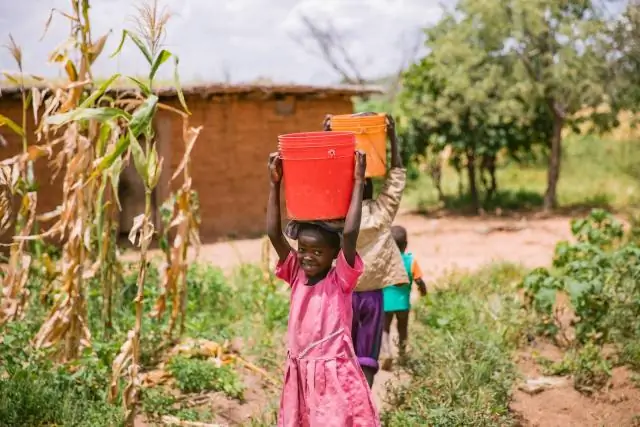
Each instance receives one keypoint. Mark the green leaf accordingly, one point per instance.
(114, 176)
(138, 43)
(107, 161)
(105, 132)
(139, 159)
(546, 297)
(142, 116)
(101, 114)
(146, 90)
(4, 120)
(176, 83)
(161, 59)
(91, 99)
(154, 168)
(576, 289)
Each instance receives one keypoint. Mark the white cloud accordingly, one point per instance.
(248, 38)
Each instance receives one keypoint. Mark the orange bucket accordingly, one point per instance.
(371, 137)
(318, 174)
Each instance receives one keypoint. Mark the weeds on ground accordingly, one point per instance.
(600, 273)
(195, 375)
(461, 368)
(33, 391)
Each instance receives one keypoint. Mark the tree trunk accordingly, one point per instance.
(553, 172)
(473, 188)
(491, 168)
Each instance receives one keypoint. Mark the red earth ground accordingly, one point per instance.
(443, 244)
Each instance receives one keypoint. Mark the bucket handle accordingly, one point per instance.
(364, 129)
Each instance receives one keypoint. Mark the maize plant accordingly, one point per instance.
(89, 134)
(17, 181)
(180, 213)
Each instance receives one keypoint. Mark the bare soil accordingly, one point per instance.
(617, 405)
(445, 244)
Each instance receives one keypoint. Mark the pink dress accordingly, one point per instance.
(323, 383)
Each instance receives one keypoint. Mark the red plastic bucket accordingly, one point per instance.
(318, 174)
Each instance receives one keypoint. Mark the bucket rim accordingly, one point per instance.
(316, 134)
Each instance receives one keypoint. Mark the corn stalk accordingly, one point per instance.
(180, 213)
(151, 28)
(89, 137)
(17, 180)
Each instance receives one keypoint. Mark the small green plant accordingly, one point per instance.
(196, 375)
(599, 272)
(157, 402)
(590, 370)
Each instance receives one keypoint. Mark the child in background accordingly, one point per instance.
(382, 259)
(323, 384)
(397, 299)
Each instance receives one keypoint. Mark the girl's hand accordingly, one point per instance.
(326, 123)
(275, 167)
(361, 165)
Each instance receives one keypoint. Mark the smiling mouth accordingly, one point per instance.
(306, 266)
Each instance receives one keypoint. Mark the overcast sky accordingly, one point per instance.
(244, 39)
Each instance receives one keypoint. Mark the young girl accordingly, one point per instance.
(397, 299)
(323, 384)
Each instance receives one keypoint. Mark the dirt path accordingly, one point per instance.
(440, 245)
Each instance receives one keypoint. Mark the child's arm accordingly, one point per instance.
(388, 201)
(274, 225)
(396, 158)
(422, 287)
(416, 272)
(352, 222)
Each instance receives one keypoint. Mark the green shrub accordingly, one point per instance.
(33, 397)
(196, 375)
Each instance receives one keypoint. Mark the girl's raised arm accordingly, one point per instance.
(274, 222)
(352, 222)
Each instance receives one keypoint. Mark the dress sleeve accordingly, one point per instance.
(416, 272)
(288, 269)
(346, 275)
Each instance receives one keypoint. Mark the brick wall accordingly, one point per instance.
(49, 193)
(228, 161)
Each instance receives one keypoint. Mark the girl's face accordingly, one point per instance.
(315, 255)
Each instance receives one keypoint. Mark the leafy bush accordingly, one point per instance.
(196, 375)
(600, 273)
(460, 366)
(37, 395)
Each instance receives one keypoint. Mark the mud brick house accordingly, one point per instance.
(228, 163)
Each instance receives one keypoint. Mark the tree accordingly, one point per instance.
(463, 96)
(626, 62)
(562, 48)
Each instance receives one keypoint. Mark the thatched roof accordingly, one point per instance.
(208, 90)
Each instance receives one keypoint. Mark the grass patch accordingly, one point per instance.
(595, 173)
(461, 369)
(246, 304)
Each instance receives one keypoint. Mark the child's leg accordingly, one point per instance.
(385, 351)
(367, 326)
(403, 331)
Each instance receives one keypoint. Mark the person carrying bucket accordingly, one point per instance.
(382, 259)
(323, 383)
